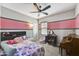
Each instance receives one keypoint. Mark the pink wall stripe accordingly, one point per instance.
(12, 24)
(77, 22)
(0, 22)
(62, 24)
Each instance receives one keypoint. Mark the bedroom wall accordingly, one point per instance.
(11, 25)
(8, 13)
(7, 23)
(77, 18)
(77, 9)
(61, 33)
(58, 17)
(62, 28)
(0, 9)
(0, 19)
(64, 24)
(77, 25)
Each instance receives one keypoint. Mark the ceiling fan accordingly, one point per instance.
(39, 10)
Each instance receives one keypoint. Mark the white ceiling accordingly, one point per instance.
(26, 8)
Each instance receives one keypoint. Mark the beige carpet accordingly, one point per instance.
(50, 50)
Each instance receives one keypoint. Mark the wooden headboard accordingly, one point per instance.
(11, 35)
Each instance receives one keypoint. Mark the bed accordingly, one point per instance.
(23, 47)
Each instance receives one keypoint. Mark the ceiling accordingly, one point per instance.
(27, 8)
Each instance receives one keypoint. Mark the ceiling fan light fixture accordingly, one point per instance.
(39, 10)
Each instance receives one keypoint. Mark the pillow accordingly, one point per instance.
(11, 42)
(18, 39)
(24, 37)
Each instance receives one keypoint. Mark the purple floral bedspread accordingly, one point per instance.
(30, 50)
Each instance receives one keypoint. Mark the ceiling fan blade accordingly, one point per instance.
(46, 8)
(36, 6)
(45, 13)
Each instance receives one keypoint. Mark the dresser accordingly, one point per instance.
(70, 44)
(52, 40)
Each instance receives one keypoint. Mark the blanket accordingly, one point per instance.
(31, 49)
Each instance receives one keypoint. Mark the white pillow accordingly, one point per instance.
(24, 37)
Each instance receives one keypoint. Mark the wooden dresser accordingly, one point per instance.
(70, 44)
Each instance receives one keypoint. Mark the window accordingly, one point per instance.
(44, 28)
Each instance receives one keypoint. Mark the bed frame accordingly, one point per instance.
(11, 35)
